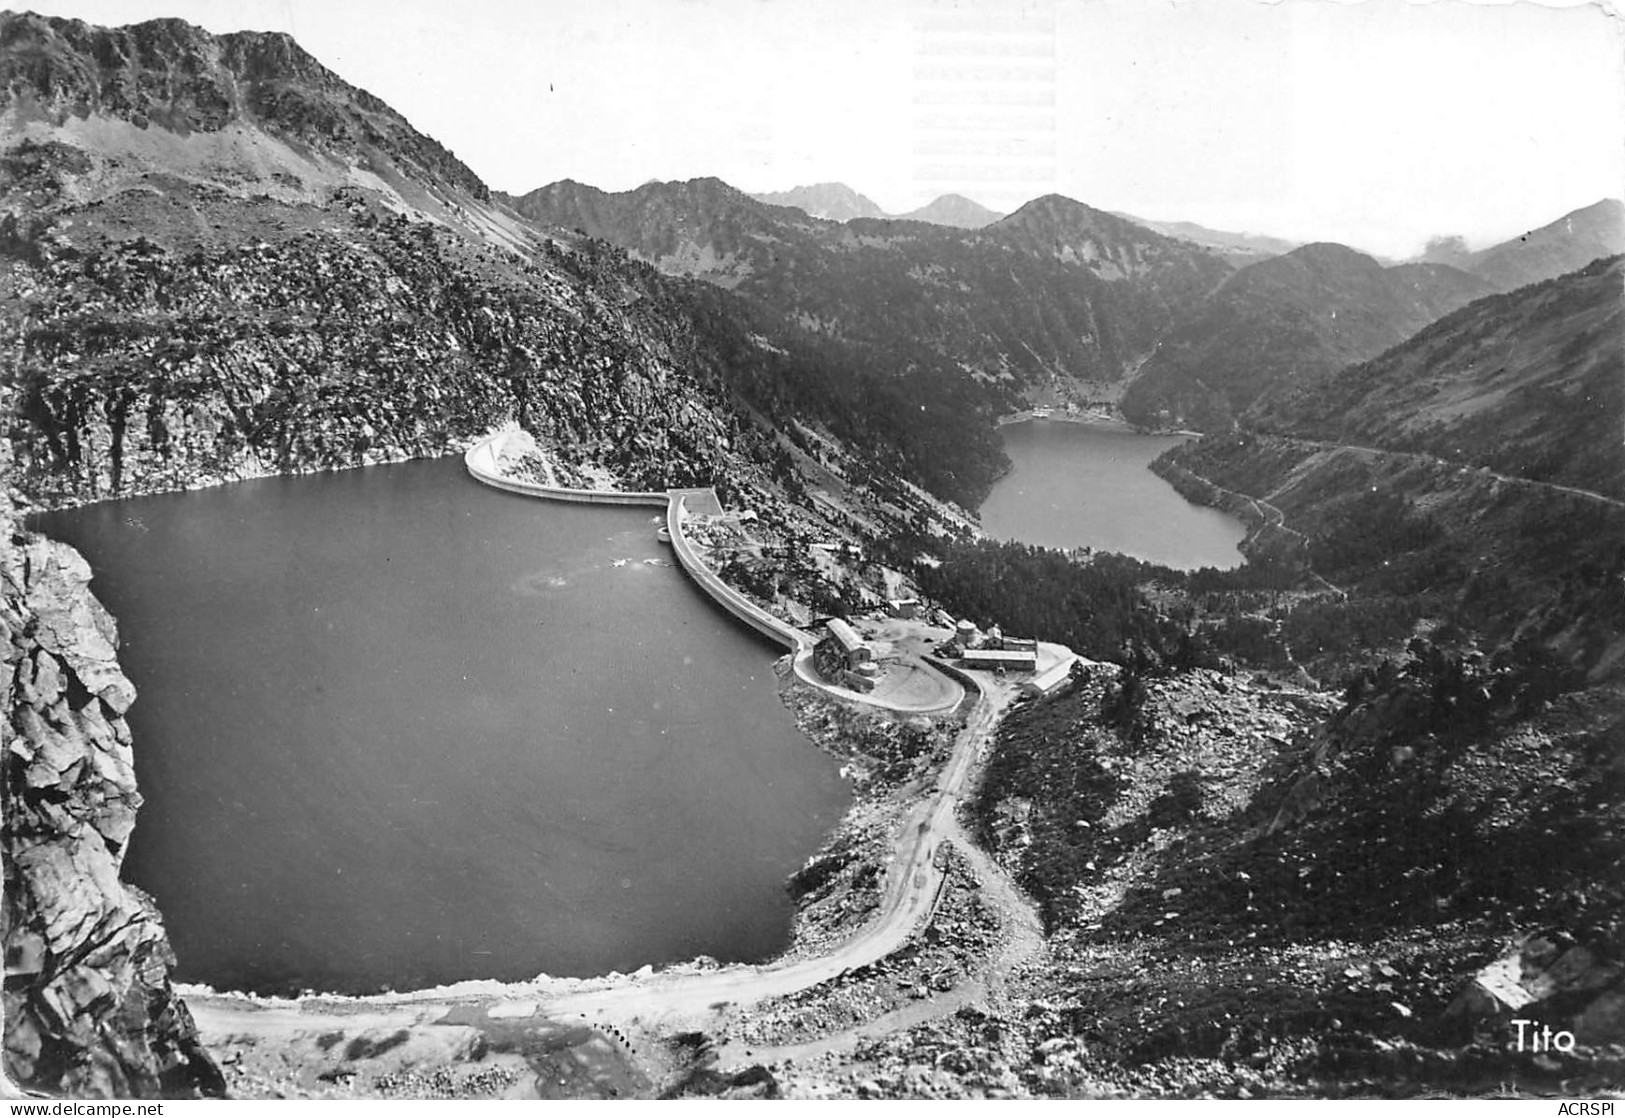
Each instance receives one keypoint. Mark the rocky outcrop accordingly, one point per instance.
(89, 1010)
(1547, 981)
(372, 339)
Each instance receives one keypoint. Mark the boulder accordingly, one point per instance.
(1542, 979)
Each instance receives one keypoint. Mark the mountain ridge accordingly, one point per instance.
(1298, 317)
(1513, 382)
(1238, 248)
(184, 78)
(835, 201)
(1556, 248)
(1056, 293)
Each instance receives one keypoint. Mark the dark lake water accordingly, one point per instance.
(397, 729)
(1074, 485)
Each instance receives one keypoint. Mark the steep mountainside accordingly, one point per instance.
(249, 115)
(1057, 290)
(953, 209)
(138, 245)
(1473, 476)
(1248, 898)
(287, 279)
(362, 337)
(1569, 243)
(1250, 888)
(1531, 384)
(1290, 320)
(832, 201)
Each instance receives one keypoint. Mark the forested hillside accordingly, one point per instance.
(1289, 321)
(1530, 383)
(1056, 290)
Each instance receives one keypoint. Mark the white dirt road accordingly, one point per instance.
(911, 885)
(635, 1009)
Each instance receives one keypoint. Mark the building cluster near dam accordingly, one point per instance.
(859, 650)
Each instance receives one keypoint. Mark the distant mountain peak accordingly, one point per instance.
(832, 201)
(1067, 221)
(835, 201)
(1332, 254)
(1046, 204)
(955, 210)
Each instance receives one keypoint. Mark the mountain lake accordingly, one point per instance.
(396, 729)
(1082, 485)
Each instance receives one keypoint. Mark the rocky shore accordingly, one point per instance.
(87, 958)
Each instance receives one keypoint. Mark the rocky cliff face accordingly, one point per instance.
(89, 1010)
(214, 264)
(367, 338)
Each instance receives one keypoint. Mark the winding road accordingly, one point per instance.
(659, 1003)
(650, 1003)
(1460, 467)
(912, 880)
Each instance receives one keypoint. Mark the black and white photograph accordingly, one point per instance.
(837, 550)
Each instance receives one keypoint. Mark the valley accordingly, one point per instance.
(1315, 818)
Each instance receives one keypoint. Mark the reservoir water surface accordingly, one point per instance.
(1077, 485)
(397, 729)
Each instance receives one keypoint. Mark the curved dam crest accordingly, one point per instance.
(482, 462)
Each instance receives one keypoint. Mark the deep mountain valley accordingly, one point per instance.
(1319, 826)
(1055, 296)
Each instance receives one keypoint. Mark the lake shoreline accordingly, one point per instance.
(32, 505)
(1088, 481)
(445, 492)
(1104, 420)
(624, 1046)
(892, 828)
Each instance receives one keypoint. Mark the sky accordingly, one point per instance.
(1377, 123)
